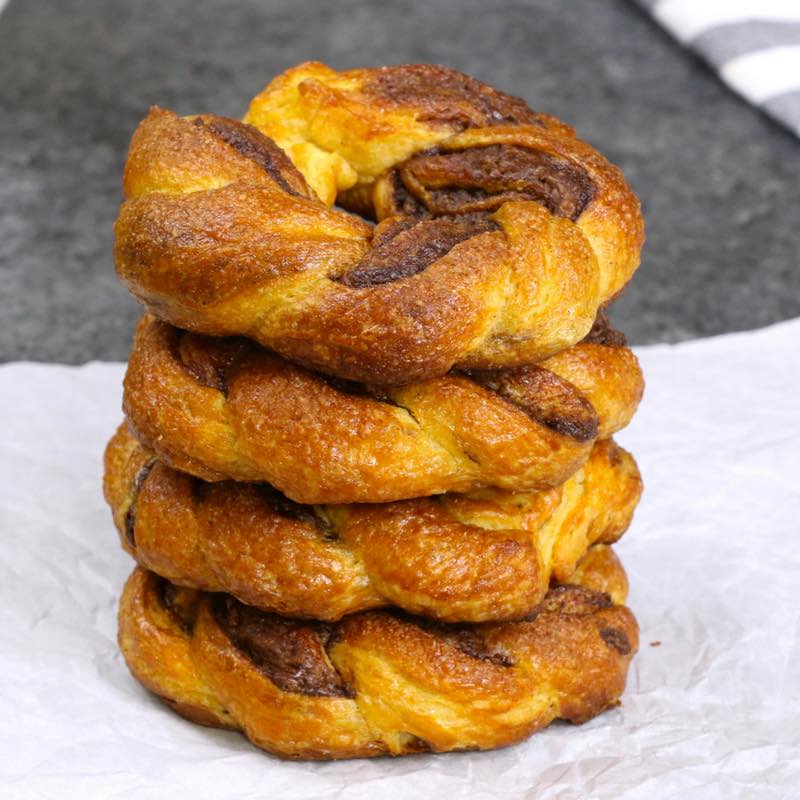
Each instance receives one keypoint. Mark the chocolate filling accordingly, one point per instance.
(130, 514)
(353, 388)
(546, 398)
(198, 488)
(471, 643)
(404, 204)
(466, 638)
(615, 453)
(209, 360)
(297, 511)
(251, 143)
(572, 599)
(617, 639)
(604, 333)
(291, 654)
(404, 247)
(277, 501)
(447, 97)
(483, 178)
(181, 603)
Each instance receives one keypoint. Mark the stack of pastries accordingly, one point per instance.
(366, 470)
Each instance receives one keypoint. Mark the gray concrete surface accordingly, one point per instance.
(720, 183)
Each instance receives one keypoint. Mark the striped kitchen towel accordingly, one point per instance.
(754, 45)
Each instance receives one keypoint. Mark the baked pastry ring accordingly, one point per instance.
(500, 234)
(461, 558)
(381, 682)
(226, 408)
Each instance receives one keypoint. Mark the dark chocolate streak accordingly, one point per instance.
(290, 653)
(251, 143)
(471, 643)
(130, 514)
(209, 360)
(483, 178)
(404, 203)
(568, 598)
(604, 333)
(212, 361)
(546, 398)
(614, 454)
(199, 489)
(404, 247)
(446, 97)
(181, 603)
(353, 388)
(617, 639)
(297, 511)
(466, 638)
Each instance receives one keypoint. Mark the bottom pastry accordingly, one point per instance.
(382, 682)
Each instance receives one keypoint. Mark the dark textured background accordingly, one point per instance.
(719, 182)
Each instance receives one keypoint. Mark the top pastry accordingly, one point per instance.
(499, 234)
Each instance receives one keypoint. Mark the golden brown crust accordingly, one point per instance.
(379, 682)
(228, 409)
(486, 556)
(219, 234)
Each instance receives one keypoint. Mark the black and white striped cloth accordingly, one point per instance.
(754, 45)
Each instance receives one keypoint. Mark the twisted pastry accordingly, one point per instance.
(381, 682)
(499, 236)
(460, 558)
(226, 408)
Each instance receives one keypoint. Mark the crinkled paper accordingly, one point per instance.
(712, 705)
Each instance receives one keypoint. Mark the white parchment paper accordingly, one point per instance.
(713, 558)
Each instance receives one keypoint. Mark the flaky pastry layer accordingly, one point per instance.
(499, 233)
(381, 682)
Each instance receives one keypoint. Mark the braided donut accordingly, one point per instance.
(460, 558)
(226, 408)
(499, 235)
(381, 682)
